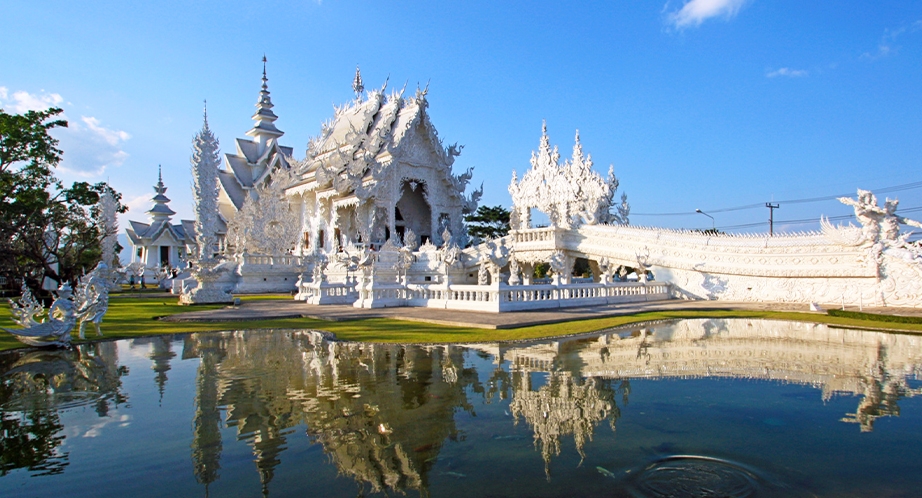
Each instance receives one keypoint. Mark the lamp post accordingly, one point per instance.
(713, 225)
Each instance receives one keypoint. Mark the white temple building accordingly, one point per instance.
(372, 216)
(159, 243)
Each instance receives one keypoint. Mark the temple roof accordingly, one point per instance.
(160, 211)
(141, 234)
(370, 126)
(256, 158)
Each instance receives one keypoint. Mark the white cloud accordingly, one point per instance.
(89, 147)
(20, 102)
(887, 45)
(788, 72)
(111, 137)
(695, 12)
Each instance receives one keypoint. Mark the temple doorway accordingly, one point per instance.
(413, 211)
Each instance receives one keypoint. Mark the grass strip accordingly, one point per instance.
(875, 316)
(130, 317)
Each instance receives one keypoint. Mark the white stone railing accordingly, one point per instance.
(533, 235)
(280, 260)
(509, 297)
(328, 293)
(523, 297)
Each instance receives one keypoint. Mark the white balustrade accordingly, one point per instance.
(509, 298)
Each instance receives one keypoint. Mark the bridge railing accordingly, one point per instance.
(509, 298)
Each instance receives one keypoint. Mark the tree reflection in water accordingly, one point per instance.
(36, 385)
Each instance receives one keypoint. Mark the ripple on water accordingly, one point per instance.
(702, 476)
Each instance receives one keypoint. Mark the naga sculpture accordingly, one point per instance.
(87, 305)
(55, 331)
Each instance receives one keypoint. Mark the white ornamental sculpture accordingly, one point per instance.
(108, 234)
(53, 331)
(571, 194)
(207, 269)
(87, 305)
(266, 224)
(879, 234)
(91, 298)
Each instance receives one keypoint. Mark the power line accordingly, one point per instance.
(808, 220)
(884, 190)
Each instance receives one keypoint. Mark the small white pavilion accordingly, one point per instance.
(159, 243)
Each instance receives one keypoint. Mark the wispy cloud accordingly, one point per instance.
(887, 45)
(787, 72)
(89, 147)
(111, 137)
(695, 12)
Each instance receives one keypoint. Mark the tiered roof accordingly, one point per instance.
(254, 159)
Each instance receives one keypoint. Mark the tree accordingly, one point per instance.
(46, 230)
(488, 222)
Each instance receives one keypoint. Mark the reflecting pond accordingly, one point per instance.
(684, 408)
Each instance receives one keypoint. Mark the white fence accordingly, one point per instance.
(508, 297)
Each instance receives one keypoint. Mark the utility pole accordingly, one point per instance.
(771, 217)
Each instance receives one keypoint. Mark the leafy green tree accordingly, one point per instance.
(488, 222)
(41, 221)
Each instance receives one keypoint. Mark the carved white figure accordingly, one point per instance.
(560, 266)
(880, 229)
(483, 274)
(55, 331)
(91, 298)
(451, 253)
(410, 241)
(515, 273)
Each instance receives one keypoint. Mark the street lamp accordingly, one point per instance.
(713, 225)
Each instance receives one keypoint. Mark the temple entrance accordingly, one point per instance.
(164, 256)
(413, 212)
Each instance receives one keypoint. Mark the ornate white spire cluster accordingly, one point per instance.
(160, 211)
(206, 159)
(264, 129)
(571, 194)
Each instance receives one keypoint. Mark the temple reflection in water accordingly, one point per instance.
(383, 413)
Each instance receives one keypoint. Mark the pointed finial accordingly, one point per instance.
(160, 173)
(264, 66)
(357, 86)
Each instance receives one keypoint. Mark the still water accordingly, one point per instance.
(687, 408)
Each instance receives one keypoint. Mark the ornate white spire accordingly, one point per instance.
(205, 163)
(108, 225)
(264, 129)
(160, 210)
(357, 85)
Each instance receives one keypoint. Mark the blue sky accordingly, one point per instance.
(706, 104)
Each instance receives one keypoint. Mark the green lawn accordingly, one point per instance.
(133, 316)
